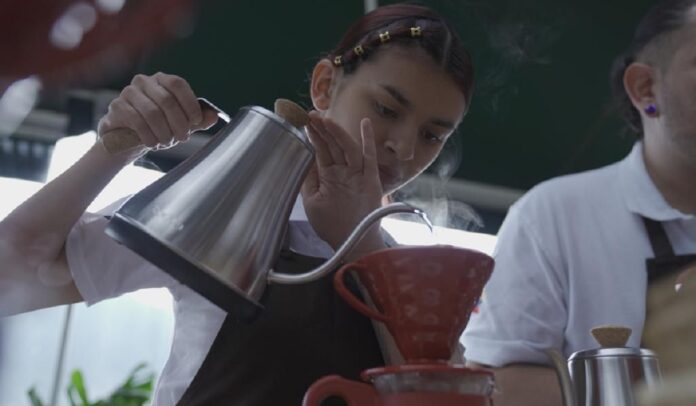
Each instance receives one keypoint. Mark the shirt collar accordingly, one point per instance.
(639, 191)
(298, 211)
(302, 237)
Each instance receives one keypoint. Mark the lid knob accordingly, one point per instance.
(611, 336)
(292, 112)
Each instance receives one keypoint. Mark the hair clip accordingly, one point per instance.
(416, 31)
(384, 37)
(338, 61)
(359, 50)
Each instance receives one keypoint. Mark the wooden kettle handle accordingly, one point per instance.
(119, 140)
(123, 139)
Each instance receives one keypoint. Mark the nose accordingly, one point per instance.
(402, 145)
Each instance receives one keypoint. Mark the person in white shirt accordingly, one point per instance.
(580, 250)
(385, 101)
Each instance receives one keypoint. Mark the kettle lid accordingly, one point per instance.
(626, 352)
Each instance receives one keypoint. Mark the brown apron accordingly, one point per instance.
(670, 324)
(305, 332)
(665, 262)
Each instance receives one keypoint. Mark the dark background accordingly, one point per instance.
(542, 102)
(542, 105)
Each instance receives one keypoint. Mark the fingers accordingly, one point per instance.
(153, 115)
(349, 148)
(340, 146)
(167, 107)
(369, 149)
(122, 114)
(210, 117)
(321, 150)
(317, 124)
(183, 94)
(162, 109)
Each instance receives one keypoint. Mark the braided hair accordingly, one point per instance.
(407, 25)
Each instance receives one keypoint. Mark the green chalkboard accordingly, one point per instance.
(542, 97)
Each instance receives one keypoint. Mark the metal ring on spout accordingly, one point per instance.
(344, 249)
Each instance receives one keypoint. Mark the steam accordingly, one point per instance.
(520, 36)
(433, 198)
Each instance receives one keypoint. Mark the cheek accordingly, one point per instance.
(425, 156)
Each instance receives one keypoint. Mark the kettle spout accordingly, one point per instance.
(344, 249)
(560, 365)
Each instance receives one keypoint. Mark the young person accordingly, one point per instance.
(385, 101)
(580, 251)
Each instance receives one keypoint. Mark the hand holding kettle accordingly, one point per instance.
(153, 112)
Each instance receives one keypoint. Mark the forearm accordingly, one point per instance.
(41, 224)
(526, 385)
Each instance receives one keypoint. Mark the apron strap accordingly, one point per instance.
(659, 240)
(665, 262)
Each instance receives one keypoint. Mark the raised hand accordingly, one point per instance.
(343, 186)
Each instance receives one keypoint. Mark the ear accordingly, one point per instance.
(324, 78)
(639, 82)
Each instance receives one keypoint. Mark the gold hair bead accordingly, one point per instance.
(338, 61)
(384, 37)
(359, 50)
(416, 31)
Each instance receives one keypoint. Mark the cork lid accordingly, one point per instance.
(292, 112)
(611, 336)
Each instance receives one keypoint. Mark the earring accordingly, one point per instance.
(651, 110)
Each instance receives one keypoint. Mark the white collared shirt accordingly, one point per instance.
(102, 269)
(570, 256)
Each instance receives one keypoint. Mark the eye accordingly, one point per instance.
(385, 111)
(432, 138)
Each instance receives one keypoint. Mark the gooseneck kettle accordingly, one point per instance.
(605, 376)
(216, 222)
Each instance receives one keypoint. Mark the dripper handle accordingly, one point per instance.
(349, 297)
(354, 393)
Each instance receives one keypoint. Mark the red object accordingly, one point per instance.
(425, 295)
(408, 385)
(109, 38)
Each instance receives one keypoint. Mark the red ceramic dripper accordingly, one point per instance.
(424, 295)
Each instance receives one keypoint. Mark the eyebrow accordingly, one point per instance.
(399, 97)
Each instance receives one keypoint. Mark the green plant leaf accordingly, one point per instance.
(34, 397)
(77, 387)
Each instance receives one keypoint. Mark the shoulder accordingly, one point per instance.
(571, 193)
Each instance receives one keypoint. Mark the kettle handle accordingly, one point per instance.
(123, 138)
(353, 393)
(564, 380)
(349, 297)
(119, 140)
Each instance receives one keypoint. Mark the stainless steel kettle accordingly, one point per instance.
(605, 376)
(216, 222)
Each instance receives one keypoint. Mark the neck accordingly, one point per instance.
(672, 170)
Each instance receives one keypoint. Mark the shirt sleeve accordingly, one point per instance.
(522, 311)
(102, 268)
